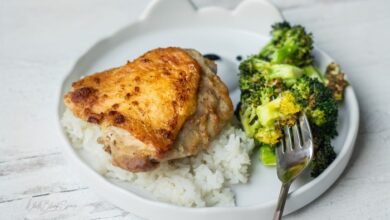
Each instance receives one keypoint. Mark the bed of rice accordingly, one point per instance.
(198, 181)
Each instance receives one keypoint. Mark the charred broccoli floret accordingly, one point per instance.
(336, 81)
(289, 45)
(318, 103)
(264, 121)
(324, 156)
(322, 110)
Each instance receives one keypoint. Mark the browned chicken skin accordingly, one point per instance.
(164, 105)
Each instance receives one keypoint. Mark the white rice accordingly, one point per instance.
(198, 181)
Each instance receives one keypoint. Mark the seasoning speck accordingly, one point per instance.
(239, 58)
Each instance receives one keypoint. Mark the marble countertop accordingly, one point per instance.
(41, 40)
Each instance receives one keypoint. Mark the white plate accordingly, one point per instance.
(242, 31)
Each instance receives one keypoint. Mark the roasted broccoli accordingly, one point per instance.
(322, 110)
(264, 121)
(280, 82)
(336, 81)
(289, 45)
(318, 103)
(324, 155)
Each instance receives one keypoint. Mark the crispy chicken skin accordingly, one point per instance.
(164, 105)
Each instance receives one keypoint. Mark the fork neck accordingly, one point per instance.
(281, 201)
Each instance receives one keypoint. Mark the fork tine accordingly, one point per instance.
(288, 138)
(296, 136)
(305, 129)
(280, 150)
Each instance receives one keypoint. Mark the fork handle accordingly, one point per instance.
(281, 201)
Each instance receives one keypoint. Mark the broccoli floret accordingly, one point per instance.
(318, 103)
(336, 81)
(278, 31)
(255, 91)
(321, 108)
(289, 45)
(324, 155)
(264, 121)
(249, 119)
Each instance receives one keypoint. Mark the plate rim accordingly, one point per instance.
(71, 153)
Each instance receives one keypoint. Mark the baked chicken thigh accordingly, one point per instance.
(167, 104)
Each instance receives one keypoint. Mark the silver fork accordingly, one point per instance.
(293, 155)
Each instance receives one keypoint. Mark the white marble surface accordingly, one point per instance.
(40, 40)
